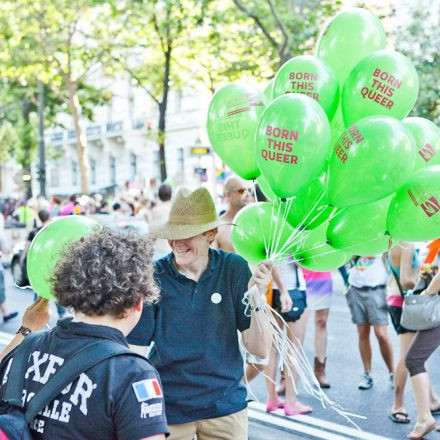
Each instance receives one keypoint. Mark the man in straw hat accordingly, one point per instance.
(194, 325)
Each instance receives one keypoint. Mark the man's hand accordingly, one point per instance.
(36, 315)
(262, 277)
(285, 302)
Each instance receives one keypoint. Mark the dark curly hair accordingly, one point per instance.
(105, 273)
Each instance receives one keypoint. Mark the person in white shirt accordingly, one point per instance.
(366, 299)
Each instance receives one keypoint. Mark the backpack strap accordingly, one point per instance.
(89, 356)
(14, 386)
(297, 276)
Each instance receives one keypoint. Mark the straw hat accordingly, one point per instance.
(192, 213)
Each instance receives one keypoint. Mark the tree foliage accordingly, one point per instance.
(418, 37)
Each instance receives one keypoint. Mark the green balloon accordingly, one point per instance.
(47, 245)
(311, 195)
(266, 189)
(292, 142)
(267, 92)
(414, 213)
(312, 77)
(361, 229)
(254, 229)
(315, 254)
(427, 137)
(349, 37)
(337, 125)
(370, 160)
(232, 118)
(383, 83)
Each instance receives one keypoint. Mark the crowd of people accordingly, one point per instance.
(181, 300)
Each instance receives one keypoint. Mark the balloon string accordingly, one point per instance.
(266, 248)
(292, 352)
(290, 240)
(285, 212)
(345, 248)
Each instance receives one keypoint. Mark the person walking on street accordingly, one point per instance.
(4, 249)
(238, 194)
(404, 269)
(160, 213)
(319, 287)
(289, 300)
(105, 277)
(422, 347)
(366, 299)
(194, 325)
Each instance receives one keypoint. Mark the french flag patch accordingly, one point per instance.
(147, 389)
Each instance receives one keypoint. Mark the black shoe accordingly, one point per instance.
(12, 315)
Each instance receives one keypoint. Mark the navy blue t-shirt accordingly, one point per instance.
(119, 398)
(194, 327)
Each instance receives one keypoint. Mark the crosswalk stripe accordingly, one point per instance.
(289, 425)
(260, 410)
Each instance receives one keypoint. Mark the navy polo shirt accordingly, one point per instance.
(119, 398)
(194, 327)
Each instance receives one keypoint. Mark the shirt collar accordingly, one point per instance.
(67, 328)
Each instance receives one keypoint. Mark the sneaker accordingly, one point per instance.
(392, 380)
(12, 315)
(366, 382)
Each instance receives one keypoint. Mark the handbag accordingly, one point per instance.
(299, 302)
(421, 312)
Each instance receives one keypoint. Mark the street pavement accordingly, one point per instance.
(343, 371)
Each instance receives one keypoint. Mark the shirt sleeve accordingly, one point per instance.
(240, 287)
(140, 406)
(143, 333)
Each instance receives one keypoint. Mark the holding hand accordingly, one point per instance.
(36, 315)
(262, 277)
(285, 302)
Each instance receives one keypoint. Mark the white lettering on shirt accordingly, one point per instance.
(84, 388)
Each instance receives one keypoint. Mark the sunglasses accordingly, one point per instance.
(241, 191)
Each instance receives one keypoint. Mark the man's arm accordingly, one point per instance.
(258, 337)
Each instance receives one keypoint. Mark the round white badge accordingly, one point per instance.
(216, 298)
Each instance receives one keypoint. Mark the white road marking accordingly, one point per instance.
(257, 411)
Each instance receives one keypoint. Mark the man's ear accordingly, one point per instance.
(138, 308)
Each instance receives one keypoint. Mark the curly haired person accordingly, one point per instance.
(106, 278)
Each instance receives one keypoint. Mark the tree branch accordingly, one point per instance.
(258, 22)
(138, 80)
(281, 27)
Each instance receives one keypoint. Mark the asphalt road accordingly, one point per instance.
(344, 371)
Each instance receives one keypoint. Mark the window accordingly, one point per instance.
(74, 173)
(180, 160)
(112, 170)
(55, 176)
(93, 171)
(133, 166)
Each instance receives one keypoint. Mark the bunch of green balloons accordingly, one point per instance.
(331, 145)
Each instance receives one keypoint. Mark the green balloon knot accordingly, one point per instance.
(283, 199)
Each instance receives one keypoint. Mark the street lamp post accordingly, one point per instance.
(42, 164)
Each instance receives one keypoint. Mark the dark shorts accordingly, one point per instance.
(396, 315)
(2, 287)
(299, 304)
